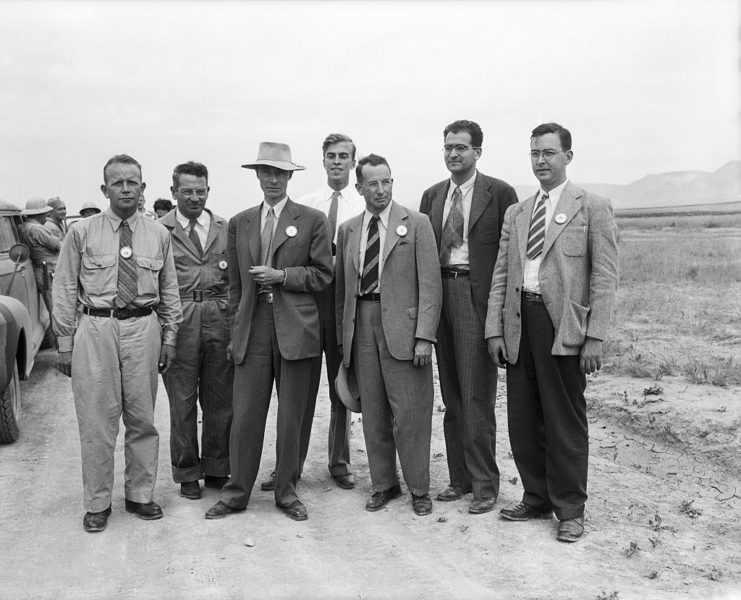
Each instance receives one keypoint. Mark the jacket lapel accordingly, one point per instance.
(213, 231)
(355, 230)
(397, 219)
(253, 235)
(479, 201)
(568, 205)
(522, 225)
(436, 212)
(288, 216)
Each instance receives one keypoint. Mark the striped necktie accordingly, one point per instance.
(369, 280)
(193, 235)
(453, 230)
(536, 237)
(127, 287)
(332, 216)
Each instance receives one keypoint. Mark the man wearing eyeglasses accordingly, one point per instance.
(552, 294)
(467, 211)
(201, 373)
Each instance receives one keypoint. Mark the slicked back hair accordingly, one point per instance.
(123, 159)
(373, 160)
(563, 134)
(336, 138)
(471, 127)
(189, 168)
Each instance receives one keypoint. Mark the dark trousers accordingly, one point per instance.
(253, 386)
(547, 417)
(468, 382)
(339, 421)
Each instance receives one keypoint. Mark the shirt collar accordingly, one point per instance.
(184, 221)
(344, 192)
(555, 194)
(383, 215)
(465, 186)
(116, 221)
(277, 209)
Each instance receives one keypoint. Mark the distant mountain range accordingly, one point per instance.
(678, 188)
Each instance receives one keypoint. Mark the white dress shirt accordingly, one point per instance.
(383, 224)
(349, 203)
(277, 209)
(203, 224)
(530, 281)
(459, 256)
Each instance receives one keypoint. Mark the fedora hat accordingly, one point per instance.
(347, 389)
(36, 206)
(273, 154)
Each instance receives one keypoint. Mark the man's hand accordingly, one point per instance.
(230, 350)
(64, 363)
(264, 275)
(422, 353)
(167, 357)
(590, 359)
(497, 350)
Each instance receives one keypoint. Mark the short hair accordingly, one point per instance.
(471, 127)
(123, 159)
(373, 160)
(189, 168)
(336, 138)
(162, 204)
(563, 134)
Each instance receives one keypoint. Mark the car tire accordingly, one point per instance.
(10, 410)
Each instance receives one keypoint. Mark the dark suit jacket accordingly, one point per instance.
(307, 259)
(490, 200)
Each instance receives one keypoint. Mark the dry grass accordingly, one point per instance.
(680, 223)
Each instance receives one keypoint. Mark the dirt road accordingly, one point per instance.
(662, 519)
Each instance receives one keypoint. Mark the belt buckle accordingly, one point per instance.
(197, 295)
(269, 297)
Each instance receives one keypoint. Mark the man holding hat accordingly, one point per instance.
(279, 256)
(89, 209)
(43, 244)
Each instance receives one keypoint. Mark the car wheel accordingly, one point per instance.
(10, 410)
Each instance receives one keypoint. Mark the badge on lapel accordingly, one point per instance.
(222, 265)
(401, 230)
(291, 231)
(560, 218)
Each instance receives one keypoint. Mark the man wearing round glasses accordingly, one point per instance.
(467, 211)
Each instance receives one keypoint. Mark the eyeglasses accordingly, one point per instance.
(548, 155)
(200, 193)
(459, 148)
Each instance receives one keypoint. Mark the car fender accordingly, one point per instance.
(14, 323)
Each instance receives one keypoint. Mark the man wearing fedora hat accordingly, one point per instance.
(279, 256)
(44, 246)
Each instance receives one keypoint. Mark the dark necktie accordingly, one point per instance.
(536, 237)
(266, 237)
(333, 215)
(193, 235)
(369, 280)
(127, 288)
(453, 230)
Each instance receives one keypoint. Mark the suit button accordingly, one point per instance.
(517, 289)
(518, 314)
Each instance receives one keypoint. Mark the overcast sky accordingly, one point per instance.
(645, 87)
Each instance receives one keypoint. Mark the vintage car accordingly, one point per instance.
(24, 320)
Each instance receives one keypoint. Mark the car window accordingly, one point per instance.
(8, 234)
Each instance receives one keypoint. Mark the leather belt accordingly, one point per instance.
(370, 297)
(532, 297)
(266, 297)
(449, 273)
(201, 295)
(117, 313)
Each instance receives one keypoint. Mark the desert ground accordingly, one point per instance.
(665, 481)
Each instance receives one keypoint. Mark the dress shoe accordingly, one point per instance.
(211, 481)
(422, 505)
(221, 510)
(295, 510)
(453, 492)
(190, 490)
(96, 521)
(570, 530)
(149, 511)
(482, 505)
(346, 481)
(524, 512)
(380, 499)
(269, 484)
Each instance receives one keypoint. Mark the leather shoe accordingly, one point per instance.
(482, 505)
(96, 521)
(295, 510)
(221, 510)
(380, 499)
(453, 492)
(269, 484)
(422, 505)
(346, 481)
(190, 490)
(149, 511)
(524, 512)
(211, 481)
(570, 530)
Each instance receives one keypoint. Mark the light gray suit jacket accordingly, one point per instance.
(411, 289)
(578, 272)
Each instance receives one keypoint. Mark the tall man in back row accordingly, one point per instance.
(202, 372)
(552, 295)
(467, 212)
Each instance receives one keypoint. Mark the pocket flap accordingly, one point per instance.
(98, 261)
(153, 264)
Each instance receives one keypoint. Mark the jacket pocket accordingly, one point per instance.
(412, 312)
(573, 327)
(574, 241)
